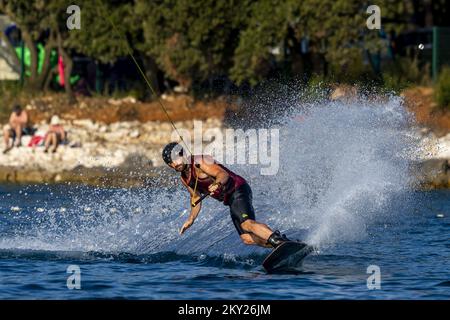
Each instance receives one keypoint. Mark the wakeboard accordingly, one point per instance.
(286, 257)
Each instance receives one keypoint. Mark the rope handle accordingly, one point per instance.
(194, 204)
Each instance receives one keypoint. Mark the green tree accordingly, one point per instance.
(31, 17)
(442, 88)
(194, 40)
(191, 40)
(335, 29)
(265, 30)
(97, 37)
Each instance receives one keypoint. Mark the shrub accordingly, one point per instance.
(405, 72)
(9, 93)
(442, 88)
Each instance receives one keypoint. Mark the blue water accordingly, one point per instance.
(342, 182)
(122, 252)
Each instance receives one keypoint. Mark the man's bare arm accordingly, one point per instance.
(211, 168)
(194, 210)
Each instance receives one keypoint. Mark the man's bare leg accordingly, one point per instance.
(260, 230)
(18, 130)
(262, 234)
(247, 239)
(6, 137)
(260, 242)
(251, 239)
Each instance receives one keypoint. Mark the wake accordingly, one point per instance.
(344, 167)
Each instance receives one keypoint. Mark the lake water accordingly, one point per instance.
(340, 181)
(121, 254)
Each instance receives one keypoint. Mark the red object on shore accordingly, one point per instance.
(35, 141)
(61, 71)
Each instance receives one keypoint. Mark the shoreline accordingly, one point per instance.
(430, 174)
(127, 154)
(115, 143)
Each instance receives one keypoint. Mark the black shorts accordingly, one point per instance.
(27, 131)
(241, 207)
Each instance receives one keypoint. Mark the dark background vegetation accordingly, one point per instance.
(208, 47)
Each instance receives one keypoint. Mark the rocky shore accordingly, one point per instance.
(118, 154)
(128, 154)
(432, 170)
(118, 142)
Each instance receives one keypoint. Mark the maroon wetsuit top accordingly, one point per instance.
(223, 194)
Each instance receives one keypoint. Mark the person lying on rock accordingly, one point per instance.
(16, 127)
(55, 135)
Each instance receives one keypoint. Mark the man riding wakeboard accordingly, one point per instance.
(201, 174)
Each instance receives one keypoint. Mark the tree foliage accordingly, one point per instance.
(32, 19)
(105, 31)
(192, 41)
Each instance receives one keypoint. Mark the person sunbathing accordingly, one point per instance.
(55, 135)
(16, 127)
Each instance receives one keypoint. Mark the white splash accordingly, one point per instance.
(342, 164)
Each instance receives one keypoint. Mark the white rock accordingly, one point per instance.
(180, 89)
(129, 100)
(117, 102)
(134, 134)
(167, 97)
(103, 145)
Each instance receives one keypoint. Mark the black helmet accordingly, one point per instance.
(172, 150)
